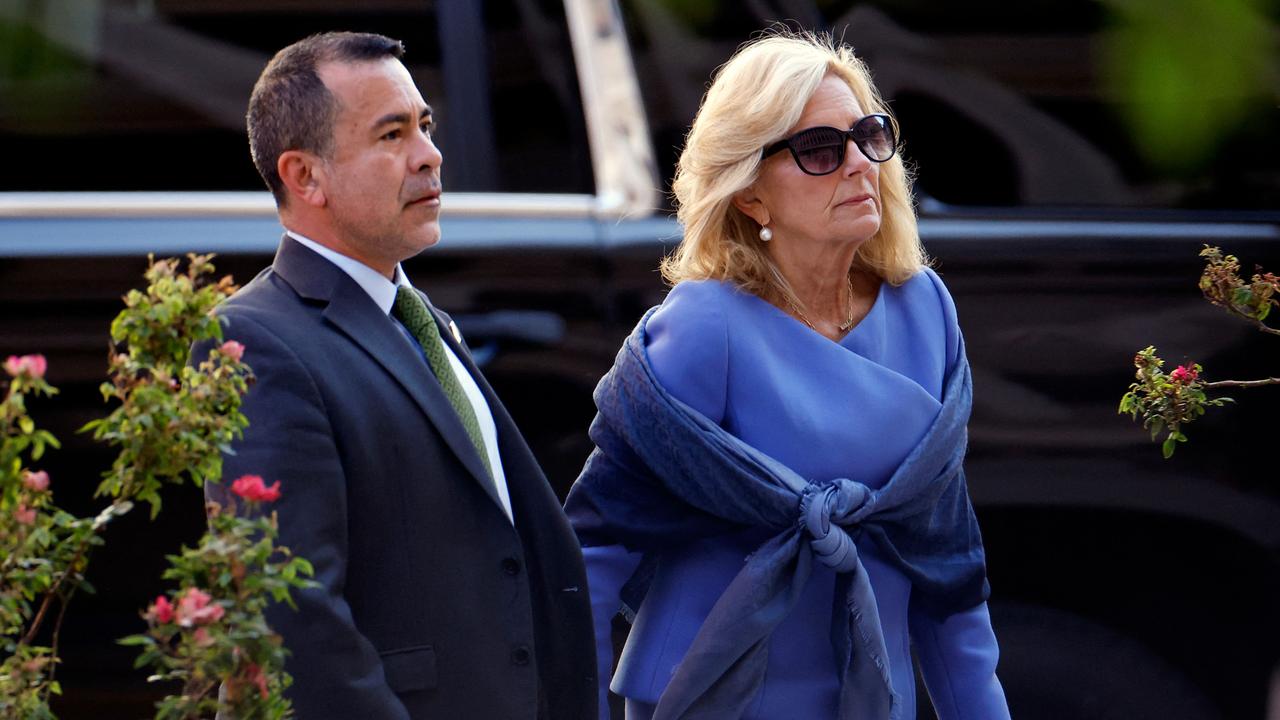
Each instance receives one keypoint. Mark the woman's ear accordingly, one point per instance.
(303, 176)
(748, 201)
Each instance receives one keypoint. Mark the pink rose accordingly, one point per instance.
(25, 515)
(202, 637)
(253, 489)
(233, 350)
(36, 481)
(30, 365)
(1184, 374)
(194, 608)
(161, 610)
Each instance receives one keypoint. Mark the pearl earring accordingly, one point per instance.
(765, 234)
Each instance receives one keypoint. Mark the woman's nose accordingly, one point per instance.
(855, 161)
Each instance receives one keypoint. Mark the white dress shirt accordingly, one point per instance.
(383, 292)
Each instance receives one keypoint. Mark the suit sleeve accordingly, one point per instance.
(958, 656)
(336, 670)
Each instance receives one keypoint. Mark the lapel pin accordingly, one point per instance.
(453, 328)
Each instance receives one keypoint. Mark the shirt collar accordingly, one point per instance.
(379, 288)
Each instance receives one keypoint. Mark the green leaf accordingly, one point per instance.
(133, 640)
(1169, 445)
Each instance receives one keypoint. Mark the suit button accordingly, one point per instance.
(521, 655)
(511, 566)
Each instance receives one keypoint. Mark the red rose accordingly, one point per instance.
(24, 515)
(233, 350)
(161, 610)
(253, 489)
(1184, 374)
(194, 608)
(30, 365)
(36, 481)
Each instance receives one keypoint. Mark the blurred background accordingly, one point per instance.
(1072, 157)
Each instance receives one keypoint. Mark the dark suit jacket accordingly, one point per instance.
(433, 605)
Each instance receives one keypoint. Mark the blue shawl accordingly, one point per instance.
(662, 474)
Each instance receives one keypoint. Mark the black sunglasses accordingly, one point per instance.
(820, 150)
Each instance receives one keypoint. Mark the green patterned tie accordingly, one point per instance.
(410, 310)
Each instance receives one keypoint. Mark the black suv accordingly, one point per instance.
(1125, 586)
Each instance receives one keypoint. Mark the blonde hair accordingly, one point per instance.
(755, 98)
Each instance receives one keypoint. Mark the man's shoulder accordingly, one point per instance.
(267, 295)
(266, 304)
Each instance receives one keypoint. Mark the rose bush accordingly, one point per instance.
(173, 418)
(211, 633)
(1167, 402)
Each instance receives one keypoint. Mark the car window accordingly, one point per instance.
(111, 95)
(1000, 104)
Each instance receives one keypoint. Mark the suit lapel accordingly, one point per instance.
(353, 312)
(518, 462)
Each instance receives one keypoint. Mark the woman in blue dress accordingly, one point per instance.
(777, 489)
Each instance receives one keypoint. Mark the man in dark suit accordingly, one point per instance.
(451, 584)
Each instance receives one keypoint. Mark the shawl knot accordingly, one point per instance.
(824, 510)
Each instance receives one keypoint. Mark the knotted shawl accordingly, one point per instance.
(662, 474)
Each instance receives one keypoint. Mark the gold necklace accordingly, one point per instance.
(844, 327)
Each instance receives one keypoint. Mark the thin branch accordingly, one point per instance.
(1243, 383)
(1247, 317)
(53, 591)
(71, 570)
(53, 646)
(1265, 327)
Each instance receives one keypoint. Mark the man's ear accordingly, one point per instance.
(303, 174)
(748, 201)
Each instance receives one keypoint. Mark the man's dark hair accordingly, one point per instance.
(291, 109)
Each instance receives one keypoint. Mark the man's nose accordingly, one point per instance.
(426, 156)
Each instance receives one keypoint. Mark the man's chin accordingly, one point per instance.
(425, 236)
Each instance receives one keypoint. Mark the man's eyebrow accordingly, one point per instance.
(401, 118)
(391, 119)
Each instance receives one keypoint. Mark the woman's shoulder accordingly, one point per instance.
(687, 343)
(925, 296)
(700, 296)
(694, 308)
(925, 292)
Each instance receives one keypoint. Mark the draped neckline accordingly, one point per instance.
(864, 344)
(845, 341)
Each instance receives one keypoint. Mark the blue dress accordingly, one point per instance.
(853, 408)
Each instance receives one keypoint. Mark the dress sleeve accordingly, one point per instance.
(336, 669)
(958, 655)
(608, 568)
(687, 341)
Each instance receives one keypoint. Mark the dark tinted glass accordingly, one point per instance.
(821, 150)
(151, 96)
